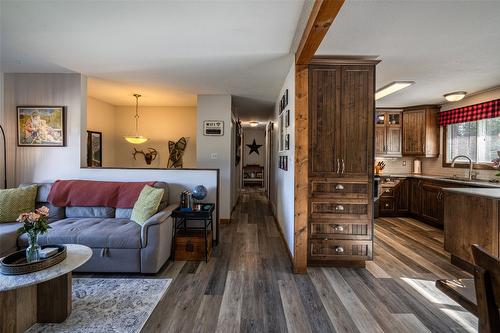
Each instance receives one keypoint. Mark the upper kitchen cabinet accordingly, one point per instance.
(421, 131)
(388, 132)
(341, 120)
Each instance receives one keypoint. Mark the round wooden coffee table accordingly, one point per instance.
(43, 296)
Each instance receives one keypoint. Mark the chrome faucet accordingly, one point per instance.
(470, 163)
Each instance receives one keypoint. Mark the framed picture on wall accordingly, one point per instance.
(287, 141)
(287, 118)
(41, 126)
(94, 149)
(286, 97)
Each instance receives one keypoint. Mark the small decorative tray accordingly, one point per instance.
(16, 264)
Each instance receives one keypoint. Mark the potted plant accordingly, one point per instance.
(34, 224)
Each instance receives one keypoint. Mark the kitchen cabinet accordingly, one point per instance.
(388, 131)
(341, 120)
(431, 203)
(418, 198)
(341, 160)
(420, 131)
(393, 199)
(470, 219)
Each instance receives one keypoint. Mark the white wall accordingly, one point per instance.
(28, 163)
(282, 182)
(159, 124)
(101, 118)
(46, 164)
(214, 152)
(249, 134)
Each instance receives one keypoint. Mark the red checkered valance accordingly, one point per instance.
(474, 112)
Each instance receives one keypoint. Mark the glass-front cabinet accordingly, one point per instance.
(388, 133)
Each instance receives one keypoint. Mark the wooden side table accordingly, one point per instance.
(43, 296)
(205, 215)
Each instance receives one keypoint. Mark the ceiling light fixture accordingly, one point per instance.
(136, 139)
(391, 88)
(455, 96)
(254, 123)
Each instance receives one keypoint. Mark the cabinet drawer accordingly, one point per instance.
(387, 204)
(388, 192)
(340, 249)
(321, 229)
(339, 208)
(336, 188)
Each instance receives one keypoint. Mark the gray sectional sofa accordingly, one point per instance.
(118, 244)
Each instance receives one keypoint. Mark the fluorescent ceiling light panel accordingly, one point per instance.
(391, 88)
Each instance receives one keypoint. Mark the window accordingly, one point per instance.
(479, 140)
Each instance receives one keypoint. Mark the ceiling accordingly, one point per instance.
(444, 46)
(170, 50)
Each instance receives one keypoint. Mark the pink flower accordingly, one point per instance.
(44, 211)
(33, 217)
(23, 217)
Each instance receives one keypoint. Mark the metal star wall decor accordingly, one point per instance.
(254, 147)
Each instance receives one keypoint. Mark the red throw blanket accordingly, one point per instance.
(89, 193)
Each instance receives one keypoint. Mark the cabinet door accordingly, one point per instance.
(414, 132)
(432, 205)
(393, 134)
(324, 103)
(415, 202)
(356, 121)
(402, 195)
(379, 140)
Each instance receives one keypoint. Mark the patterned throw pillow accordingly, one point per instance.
(147, 204)
(14, 201)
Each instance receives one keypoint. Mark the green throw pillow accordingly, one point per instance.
(147, 204)
(15, 201)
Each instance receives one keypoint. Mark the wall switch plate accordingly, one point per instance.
(213, 156)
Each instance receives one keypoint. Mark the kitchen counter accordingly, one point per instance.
(475, 182)
(491, 193)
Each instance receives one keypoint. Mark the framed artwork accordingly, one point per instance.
(287, 141)
(286, 97)
(41, 126)
(287, 118)
(213, 128)
(94, 149)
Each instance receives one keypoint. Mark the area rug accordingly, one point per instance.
(110, 305)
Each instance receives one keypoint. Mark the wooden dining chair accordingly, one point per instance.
(487, 284)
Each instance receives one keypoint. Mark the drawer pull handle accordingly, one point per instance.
(339, 249)
(339, 208)
(339, 187)
(338, 228)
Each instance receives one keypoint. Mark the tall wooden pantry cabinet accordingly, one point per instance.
(341, 161)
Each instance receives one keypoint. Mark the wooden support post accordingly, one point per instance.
(321, 17)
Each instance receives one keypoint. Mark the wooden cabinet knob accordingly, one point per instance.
(339, 249)
(339, 187)
(339, 208)
(387, 205)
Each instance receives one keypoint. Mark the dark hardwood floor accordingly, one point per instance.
(247, 286)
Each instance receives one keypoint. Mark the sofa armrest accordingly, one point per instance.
(157, 218)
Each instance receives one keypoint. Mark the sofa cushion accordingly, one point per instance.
(123, 213)
(16, 201)
(147, 204)
(164, 199)
(8, 237)
(90, 212)
(55, 213)
(92, 232)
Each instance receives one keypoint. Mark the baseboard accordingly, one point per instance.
(225, 221)
(282, 234)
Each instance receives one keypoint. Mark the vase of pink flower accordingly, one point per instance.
(34, 224)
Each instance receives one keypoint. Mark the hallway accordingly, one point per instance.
(247, 286)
